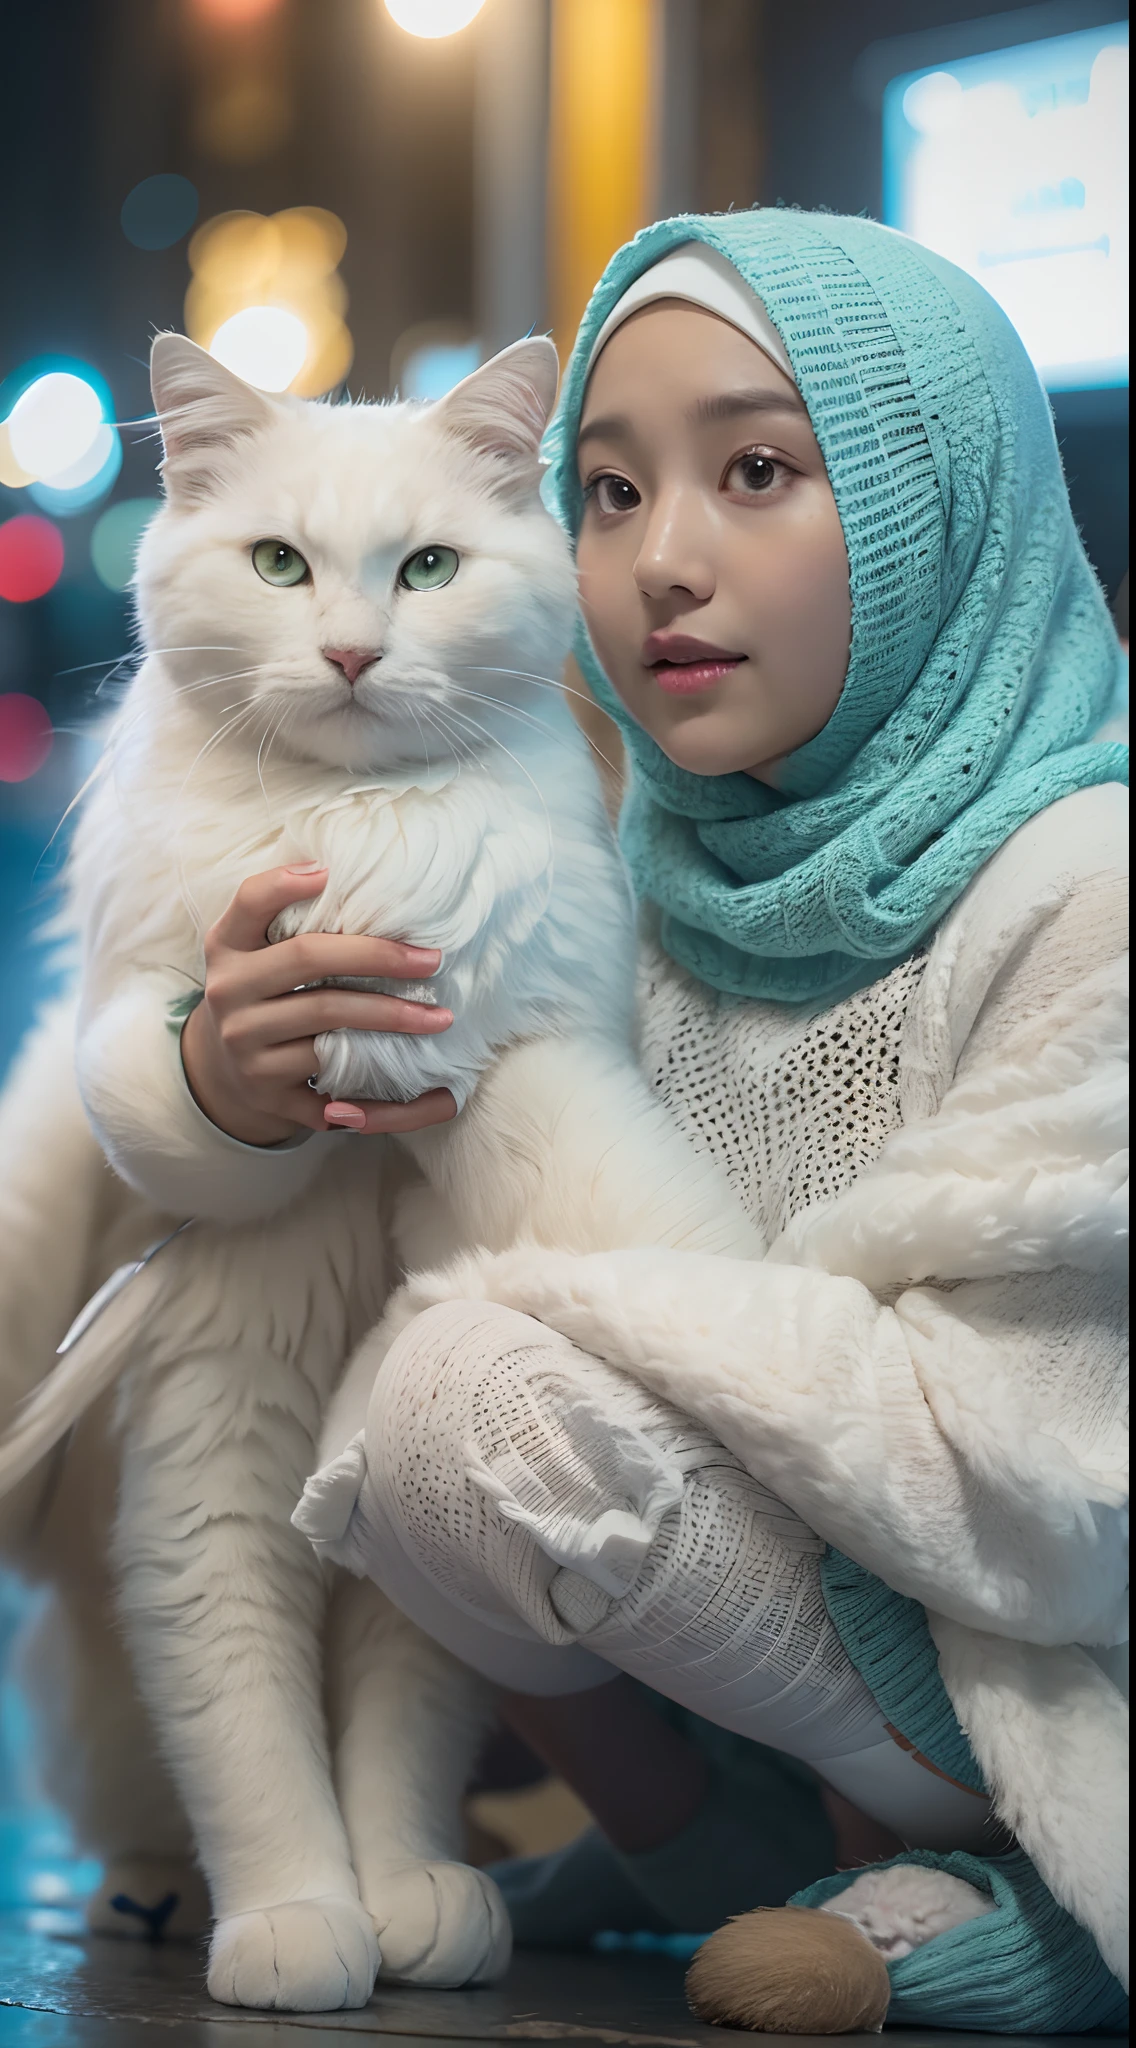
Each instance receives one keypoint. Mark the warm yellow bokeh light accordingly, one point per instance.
(12, 473)
(433, 18)
(285, 263)
(600, 145)
(245, 118)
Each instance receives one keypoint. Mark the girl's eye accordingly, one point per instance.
(429, 569)
(752, 474)
(277, 563)
(613, 494)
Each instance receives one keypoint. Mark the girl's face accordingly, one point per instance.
(713, 571)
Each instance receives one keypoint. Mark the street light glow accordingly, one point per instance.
(433, 18)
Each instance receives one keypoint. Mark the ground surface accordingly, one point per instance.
(60, 1991)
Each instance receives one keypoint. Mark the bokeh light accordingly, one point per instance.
(31, 557)
(115, 538)
(86, 481)
(246, 263)
(433, 370)
(266, 345)
(934, 103)
(159, 211)
(25, 736)
(433, 18)
(12, 472)
(245, 118)
(234, 13)
(54, 423)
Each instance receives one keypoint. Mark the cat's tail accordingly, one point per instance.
(91, 1356)
(60, 1203)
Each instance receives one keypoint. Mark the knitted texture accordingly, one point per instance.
(1027, 1968)
(887, 1639)
(983, 657)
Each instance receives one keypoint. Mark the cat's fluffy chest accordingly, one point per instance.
(507, 866)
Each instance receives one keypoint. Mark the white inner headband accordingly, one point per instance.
(697, 273)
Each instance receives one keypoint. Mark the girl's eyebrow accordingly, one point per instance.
(728, 405)
(609, 429)
(731, 403)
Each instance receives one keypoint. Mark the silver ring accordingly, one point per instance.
(314, 1083)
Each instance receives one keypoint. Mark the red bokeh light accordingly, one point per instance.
(25, 736)
(31, 557)
(233, 13)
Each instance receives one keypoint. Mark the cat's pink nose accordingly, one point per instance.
(352, 660)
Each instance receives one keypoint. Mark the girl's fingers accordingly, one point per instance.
(260, 898)
(327, 956)
(371, 1118)
(315, 1113)
(330, 1009)
(243, 928)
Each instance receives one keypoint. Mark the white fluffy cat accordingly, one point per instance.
(450, 794)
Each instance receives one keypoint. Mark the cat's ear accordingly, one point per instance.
(204, 413)
(503, 408)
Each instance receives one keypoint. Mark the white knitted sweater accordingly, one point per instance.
(930, 1365)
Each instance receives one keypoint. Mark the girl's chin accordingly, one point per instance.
(701, 750)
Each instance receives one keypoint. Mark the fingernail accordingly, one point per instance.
(440, 1020)
(345, 1115)
(306, 867)
(424, 956)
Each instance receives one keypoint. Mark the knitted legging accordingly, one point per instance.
(551, 1523)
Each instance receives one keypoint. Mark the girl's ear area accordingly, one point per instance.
(203, 410)
(504, 407)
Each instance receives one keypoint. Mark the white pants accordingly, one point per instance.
(551, 1523)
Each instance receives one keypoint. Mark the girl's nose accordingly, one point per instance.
(352, 660)
(675, 554)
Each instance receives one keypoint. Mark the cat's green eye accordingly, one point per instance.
(277, 563)
(429, 569)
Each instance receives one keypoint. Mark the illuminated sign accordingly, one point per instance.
(1014, 166)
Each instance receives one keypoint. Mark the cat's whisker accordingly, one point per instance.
(518, 711)
(525, 675)
(477, 726)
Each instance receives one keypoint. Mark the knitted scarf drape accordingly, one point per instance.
(983, 657)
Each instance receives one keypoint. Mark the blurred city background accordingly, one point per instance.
(372, 195)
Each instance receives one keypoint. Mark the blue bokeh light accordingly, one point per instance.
(62, 498)
(159, 211)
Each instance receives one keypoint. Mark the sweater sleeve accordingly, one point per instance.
(153, 1132)
(931, 1368)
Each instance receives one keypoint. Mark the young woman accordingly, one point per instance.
(833, 595)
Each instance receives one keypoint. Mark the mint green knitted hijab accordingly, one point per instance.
(983, 656)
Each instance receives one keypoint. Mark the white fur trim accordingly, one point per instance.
(1050, 1732)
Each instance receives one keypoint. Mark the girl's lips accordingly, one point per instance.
(685, 678)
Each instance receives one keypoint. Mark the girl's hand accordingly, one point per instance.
(249, 1046)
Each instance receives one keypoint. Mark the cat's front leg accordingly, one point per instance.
(407, 1720)
(565, 1144)
(223, 1603)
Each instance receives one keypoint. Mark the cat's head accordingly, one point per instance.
(356, 580)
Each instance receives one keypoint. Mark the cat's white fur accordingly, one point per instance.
(447, 819)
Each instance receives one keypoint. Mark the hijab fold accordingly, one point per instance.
(983, 656)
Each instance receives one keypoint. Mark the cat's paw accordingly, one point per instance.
(150, 1898)
(906, 1905)
(312, 1955)
(439, 1923)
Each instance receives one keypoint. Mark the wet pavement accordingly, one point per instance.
(61, 1989)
